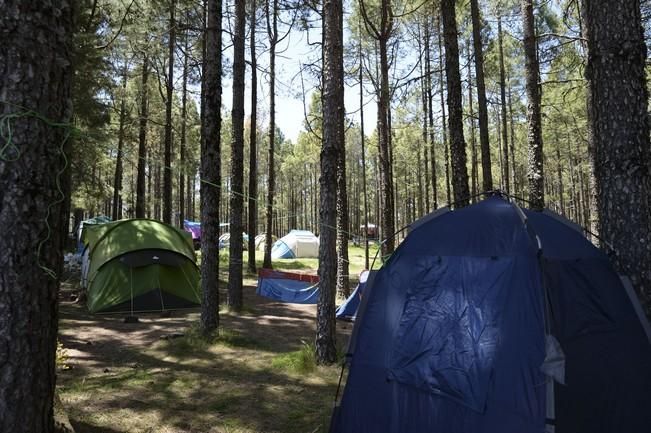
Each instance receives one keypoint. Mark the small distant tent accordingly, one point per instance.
(296, 244)
(348, 310)
(288, 287)
(371, 230)
(225, 240)
(100, 219)
(194, 228)
(497, 319)
(261, 239)
(139, 265)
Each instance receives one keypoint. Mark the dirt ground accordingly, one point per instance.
(151, 376)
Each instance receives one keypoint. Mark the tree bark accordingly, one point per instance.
(430, 113)
(234, 299)
(512, 130)
(473, 144)
(272, 31)
(333, 138)
(559, 174)
(343, 281)
(388, 204)
(184, 121)
(444, 125)
(532, 77)
(210, 167)
(484, 144)
(382, 34)
(142, 141)
(455, 119)
(423, 205)
(116, 212)
(505, 137)
(618, 101)
(253, 149)
(35, 83)
(167, 173)
(363, 141)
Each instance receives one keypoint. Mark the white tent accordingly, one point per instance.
(261, 239)
(297, 243)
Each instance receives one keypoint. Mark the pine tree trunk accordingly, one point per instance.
(116, 212)
(444, 121)
(148, 197)
(473, 144)
(618, 103)
(210, 167)
(387, 220)
(363, 140)
(559, 173)
(343, 283)
(532, 78)
(272, 31)
(487, 177)
(184, 120)
(381, 34)
(35, 59)
(167, 173)
(425, 135)
(333, 138)
(505, 137)
(253, 149)
(455, 120)
(142, 141)
(158, 180)
(430, 112)
(234, 298)
(512, 130)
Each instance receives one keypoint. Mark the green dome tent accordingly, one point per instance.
(139, 265)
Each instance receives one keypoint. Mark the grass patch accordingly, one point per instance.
(194, 342)
(234, 339)
(300, 361)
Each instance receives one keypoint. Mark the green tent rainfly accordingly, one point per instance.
(139, 265)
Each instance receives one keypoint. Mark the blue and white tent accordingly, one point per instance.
(494, 319)
(296, 244)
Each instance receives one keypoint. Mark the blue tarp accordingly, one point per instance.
(348, 310)
(450, 335)
(288, 287)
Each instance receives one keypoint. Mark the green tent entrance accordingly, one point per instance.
(139, 265)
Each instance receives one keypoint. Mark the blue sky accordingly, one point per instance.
(293, 52)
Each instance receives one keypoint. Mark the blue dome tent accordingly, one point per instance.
(296, 244)
(494, 319)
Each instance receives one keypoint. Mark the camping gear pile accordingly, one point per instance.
(495, 319)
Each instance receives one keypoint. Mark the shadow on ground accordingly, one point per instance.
(146, 377)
